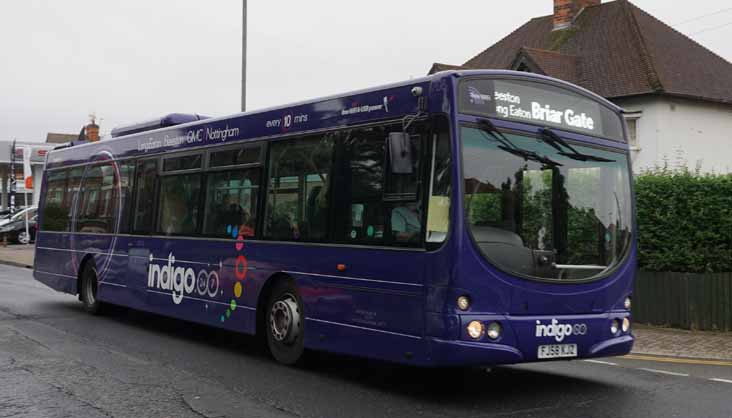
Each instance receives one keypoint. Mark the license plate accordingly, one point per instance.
(557, 351)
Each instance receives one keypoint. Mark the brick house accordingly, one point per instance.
(677, 93)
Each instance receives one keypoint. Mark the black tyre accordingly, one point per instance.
(88, 290)
(285, 323)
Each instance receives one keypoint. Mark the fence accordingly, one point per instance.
(684, 300)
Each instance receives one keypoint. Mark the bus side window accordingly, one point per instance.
(127, 173)
(144, 205)
(231, 205)
(98, 210)
(179, 200)
(88, 217)
(57, 203)
(298, 198)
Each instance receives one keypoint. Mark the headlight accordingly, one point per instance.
(626, 324)
(476, 329)
(627, 304)
(494, 330)
(615, 327)
(463, 303)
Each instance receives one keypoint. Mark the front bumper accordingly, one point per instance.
(521, 339)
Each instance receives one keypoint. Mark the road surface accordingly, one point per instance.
(57, 361)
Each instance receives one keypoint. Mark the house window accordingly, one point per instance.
(633, 139)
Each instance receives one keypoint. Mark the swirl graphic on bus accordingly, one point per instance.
(103, 258)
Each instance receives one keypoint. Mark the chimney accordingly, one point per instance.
(565, 11)
(92, 129)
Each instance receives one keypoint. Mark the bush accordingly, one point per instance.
(684, 221)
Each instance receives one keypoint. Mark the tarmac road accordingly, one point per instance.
(57, 361)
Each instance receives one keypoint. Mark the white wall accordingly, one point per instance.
(37, 180)
(682, 132)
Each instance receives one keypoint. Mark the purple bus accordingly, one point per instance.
(465, 218)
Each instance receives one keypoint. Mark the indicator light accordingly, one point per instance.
(626, 324)
(463, 303)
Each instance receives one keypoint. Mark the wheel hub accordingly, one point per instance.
(284, 319)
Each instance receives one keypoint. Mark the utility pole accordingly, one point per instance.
(244, 57)
(13, 186)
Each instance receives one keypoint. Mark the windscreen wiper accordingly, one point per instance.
(488, 127)
(555, 141)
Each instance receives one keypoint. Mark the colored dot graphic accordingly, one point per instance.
(241, 268)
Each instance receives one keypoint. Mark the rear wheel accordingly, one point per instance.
(88, 290)
(284, 321)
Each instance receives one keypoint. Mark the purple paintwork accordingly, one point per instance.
(392, 304)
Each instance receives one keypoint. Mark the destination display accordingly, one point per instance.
(539, 103)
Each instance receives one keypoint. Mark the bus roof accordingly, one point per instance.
(176, 131)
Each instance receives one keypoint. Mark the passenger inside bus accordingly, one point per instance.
(176, 218)
(231, 212)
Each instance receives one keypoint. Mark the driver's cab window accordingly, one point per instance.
(380, 203)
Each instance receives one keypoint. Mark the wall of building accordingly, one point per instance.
(681, 132)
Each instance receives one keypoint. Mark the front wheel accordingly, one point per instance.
(88, 290)
(285, 324)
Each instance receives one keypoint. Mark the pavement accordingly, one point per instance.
(653, 341)
(670, 342)
(58, 361)
(17, 255)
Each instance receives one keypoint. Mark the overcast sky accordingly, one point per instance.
(133, 60)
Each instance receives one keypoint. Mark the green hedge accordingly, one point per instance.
(684, 222)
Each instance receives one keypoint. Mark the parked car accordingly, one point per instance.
(7, 218)
(15, 231)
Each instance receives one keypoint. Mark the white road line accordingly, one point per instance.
(720, 380)
(607, 363)
(664, 372)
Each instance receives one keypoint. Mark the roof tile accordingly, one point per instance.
(616, 50)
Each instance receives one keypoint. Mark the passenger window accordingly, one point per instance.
(298, 198)
(55, 216)
(186, 162)
(231, 206)
(179, 204)
(237, 156)
(98, 203)
(127, 174)
(71, 193)
(61, 189)
(144, 213)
